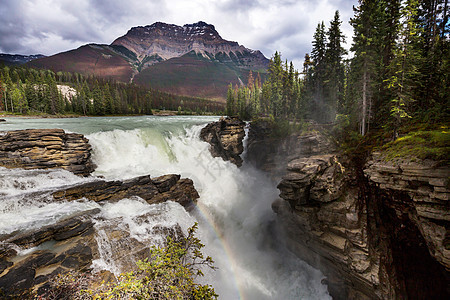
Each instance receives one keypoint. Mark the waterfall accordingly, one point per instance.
(234, 213)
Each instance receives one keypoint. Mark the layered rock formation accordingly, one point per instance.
(46, 149)
(157, 190)
(30, 257)
(411, 225)
(377, 230)
(326, 225)
(225, 137)
(66, 245)
(72, 244)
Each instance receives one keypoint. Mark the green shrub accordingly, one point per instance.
(168, 273)
(423, 144)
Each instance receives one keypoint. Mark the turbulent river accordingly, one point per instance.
(234, 209)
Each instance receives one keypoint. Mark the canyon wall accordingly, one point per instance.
(377, 229)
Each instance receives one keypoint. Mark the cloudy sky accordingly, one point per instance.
(52, 26)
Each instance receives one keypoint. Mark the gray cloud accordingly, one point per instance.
(49, 27)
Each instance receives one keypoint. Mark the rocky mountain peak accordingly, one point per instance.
(161, 41)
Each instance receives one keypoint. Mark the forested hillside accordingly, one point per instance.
(398, 72)
(26, 90)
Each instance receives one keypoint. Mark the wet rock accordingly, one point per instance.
(2, 120)
(62, 230)
(157, 190)
(110, 190)
(225, 138)
(16, 281)
(182, 192)
(46, 149)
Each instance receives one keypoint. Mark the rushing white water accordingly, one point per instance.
(234, 210)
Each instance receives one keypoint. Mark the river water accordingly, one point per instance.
(234, 209)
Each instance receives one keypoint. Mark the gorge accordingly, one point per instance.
(376, 229)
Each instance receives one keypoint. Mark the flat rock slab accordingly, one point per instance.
(46, 149)
(156, 190)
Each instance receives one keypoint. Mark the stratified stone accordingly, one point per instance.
(46, 149)
(225, 138)
(157, 190)
(377, 231)
(425, 184)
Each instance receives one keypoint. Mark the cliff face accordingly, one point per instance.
(409, 200)
(379, 230)
(326, 225)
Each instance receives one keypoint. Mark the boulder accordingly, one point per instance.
(46, 149)
(226, 139)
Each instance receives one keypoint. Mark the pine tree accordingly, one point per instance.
(334, 75)
(316, 103)
(230, 101)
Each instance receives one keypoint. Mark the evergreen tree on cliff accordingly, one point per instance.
(316, 103)
(334, 87)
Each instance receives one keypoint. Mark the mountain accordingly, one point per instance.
(92, 59)
(159, 42)
(18, 59)
(191, 60)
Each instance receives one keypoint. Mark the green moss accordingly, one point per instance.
(422, 144)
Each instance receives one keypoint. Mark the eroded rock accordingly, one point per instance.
(46, 149)
(419, 192)
(225, 138)
(157, 190)
(378, 231)
(30, 258)
(325, 226)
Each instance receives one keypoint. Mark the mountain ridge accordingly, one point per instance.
(18, 59)
(159, 50)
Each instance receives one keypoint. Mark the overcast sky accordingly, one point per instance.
(52, 26)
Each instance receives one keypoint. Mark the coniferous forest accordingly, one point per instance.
(30, 91)
(397, 73)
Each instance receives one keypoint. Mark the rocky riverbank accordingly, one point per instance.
(30, 257)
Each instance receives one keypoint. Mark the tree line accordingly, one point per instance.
(398, 73)
(26, 90)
